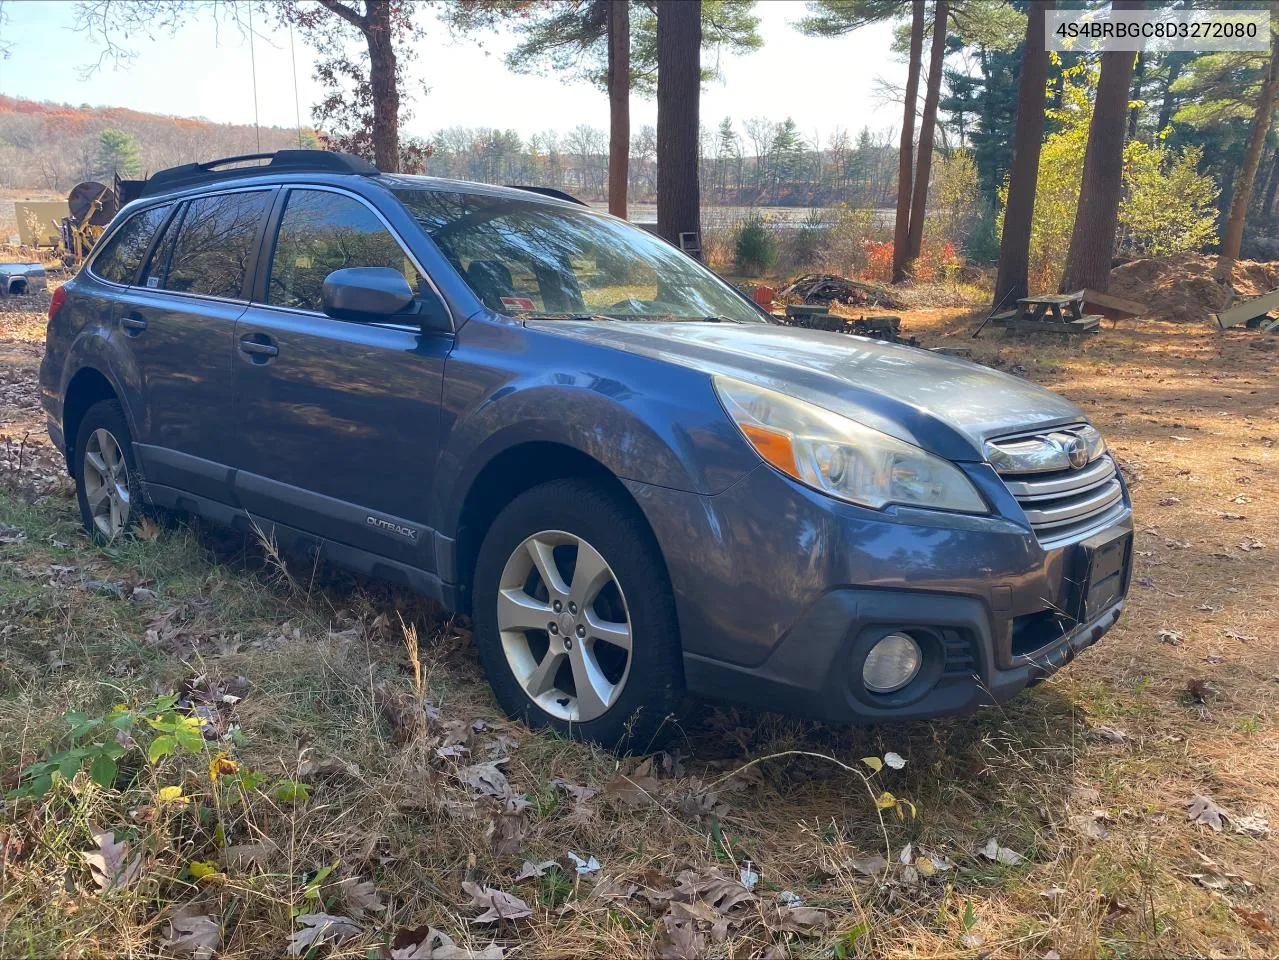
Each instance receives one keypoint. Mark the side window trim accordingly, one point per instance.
(260, 290)
(105, 241)
(175, 219)
(246, 288)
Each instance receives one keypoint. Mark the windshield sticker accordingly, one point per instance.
(519, 303)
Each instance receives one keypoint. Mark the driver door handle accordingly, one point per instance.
(259, 349)
(133, 322)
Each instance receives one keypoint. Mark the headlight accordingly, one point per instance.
(841, 457)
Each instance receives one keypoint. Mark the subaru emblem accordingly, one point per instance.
(1076, 452)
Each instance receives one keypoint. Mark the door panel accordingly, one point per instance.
(338, 432)
(179, 323)
(337, 422)
(183, 357)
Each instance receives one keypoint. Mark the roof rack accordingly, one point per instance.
(549, 192)
(281, 161)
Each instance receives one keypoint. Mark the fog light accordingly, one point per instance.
(892, 663)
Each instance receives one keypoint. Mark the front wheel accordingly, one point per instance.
(574, 617)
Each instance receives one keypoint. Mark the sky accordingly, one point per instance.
(204, 71)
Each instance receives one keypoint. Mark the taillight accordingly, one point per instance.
(55, 302)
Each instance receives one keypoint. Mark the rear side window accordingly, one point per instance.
(121, 257)
(212, 250)
(321, 232)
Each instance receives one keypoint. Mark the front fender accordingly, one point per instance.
(642, 419)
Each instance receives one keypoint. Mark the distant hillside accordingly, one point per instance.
(53, 146)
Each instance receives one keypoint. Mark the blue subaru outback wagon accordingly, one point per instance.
(638, 485)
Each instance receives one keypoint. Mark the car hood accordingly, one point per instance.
(942, 404)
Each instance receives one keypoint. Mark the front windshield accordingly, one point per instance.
(532, 259)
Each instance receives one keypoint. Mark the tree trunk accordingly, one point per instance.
(1092, 239)
(679, 80)
(619, 104)
(1175, 64)
(1138, 74)
(1268, 203)
(386, 93)
(1012, 279)
(1232, 239)
(905, 165)
(928, 125)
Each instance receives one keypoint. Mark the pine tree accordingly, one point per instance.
(118, 155)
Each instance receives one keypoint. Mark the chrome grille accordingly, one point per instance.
(1062, 504)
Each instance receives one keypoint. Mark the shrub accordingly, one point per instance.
(848, 239)
(756, 249)
(803, 244)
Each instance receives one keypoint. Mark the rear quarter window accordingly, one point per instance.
(122, 256)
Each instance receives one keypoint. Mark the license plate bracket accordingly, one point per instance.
(1107, 557)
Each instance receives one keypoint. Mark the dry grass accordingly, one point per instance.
(333, 677)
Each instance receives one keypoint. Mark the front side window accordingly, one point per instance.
(528, 258)
(121, 257)
(212, 249)
(321, 232)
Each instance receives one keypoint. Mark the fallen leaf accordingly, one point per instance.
(316, 929)
(894, 760)
(327, 768)
(871, 866)
(993, 851)
(508, 826)
(146, 529)
(1202, 809)
(531, 870)
(359, 896)
(1091, 824)
(633, 790)
(111, 865)
(242, 855)
(1256, 919)
(1256, 825)
(193, 933)
(681, 941)
(486, 779)
(496, 904)
(435, 945)
(1110, 735)
(874, 763)
(794, 919)
(1171, 637)
(612, 888)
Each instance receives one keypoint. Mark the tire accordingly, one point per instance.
(111, 499)
(648, 691)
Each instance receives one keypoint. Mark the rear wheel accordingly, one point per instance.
(106, 477)
(574, 617)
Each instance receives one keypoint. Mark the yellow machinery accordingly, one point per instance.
(91, 206)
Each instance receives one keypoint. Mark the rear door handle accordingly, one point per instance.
(257, 348)
(133, 323)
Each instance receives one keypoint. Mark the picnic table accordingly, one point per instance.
(1057, 313)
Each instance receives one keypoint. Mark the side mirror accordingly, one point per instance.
(365, 293)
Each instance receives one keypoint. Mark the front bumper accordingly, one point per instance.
(781, 592)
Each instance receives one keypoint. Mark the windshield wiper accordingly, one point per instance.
(579, 317)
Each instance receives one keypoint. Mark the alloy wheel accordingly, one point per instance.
(106, 483)
(564, 625)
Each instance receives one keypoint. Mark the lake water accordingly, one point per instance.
(647, 213)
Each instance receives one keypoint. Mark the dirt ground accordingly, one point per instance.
(388, 796)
